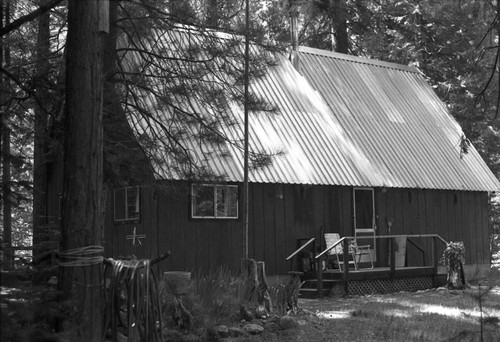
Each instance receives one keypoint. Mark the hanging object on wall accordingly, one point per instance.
(136, 237)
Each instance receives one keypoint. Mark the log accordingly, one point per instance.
(264, 296)
(248, 269)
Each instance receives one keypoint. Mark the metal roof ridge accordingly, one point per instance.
(357, 59)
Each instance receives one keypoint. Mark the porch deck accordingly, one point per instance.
(370, 281)
(387, 276)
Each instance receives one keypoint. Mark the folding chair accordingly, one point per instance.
(338, 250)
(359, 251)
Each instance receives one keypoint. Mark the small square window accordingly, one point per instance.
(127, 204)
(214, 201)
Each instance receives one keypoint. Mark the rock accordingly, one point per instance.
(261, 312)
(245, 314)
(53, 281)
(271, 326)
(236, 332)
(287, 322)
(222, 331)
(253, 329)
(191, 338)
(211, 334)
(301, 322)
(171, 335)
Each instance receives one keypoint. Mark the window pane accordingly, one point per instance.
(120, 204)
(203, 201)
(133, 203)
(227, 201)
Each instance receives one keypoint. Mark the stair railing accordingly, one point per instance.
(298, 250)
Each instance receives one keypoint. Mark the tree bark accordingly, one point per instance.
(41, 118)
(339, 23)
(6, 153)
(82, 221)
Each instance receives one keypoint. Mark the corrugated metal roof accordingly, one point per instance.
(342, 120)
(394, 118)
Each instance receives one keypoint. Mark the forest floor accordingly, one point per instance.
(472, 314)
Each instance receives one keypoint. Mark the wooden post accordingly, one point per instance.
(392, 247)
(250, 279)
(319, 270)
(345, 245)
(264, 297)
(435, 255)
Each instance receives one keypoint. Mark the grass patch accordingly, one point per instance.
(425, 316)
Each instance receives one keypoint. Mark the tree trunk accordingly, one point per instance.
(41, 115)
(6, 156)
(82, 221)
(339, 23)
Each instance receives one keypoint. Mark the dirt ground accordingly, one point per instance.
(432, 315)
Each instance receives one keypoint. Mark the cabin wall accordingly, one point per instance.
(454, 215)
(282, 213)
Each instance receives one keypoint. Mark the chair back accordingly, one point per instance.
(330, 239)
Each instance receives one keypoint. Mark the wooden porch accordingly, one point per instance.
(385, 276)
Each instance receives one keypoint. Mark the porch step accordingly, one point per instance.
(310, 287)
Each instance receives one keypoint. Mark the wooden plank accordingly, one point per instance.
(320, 213)
(335, 208)
(226, 244)
(269, 236)
(422, 226)
(214, 248)
(184, 230)
(329, 210)
(414, 255)
(290, 221)
(258, 237)
(483, 247)
(164, 227)
(282, 246)
(472, 230)
(346, 205)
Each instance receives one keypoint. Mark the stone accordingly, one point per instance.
(235, 332)
(222, 331)
(261, 312)
(253, 329)
(287, 322)
(271, 326)
(245, 314)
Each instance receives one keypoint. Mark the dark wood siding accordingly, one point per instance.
(281, 214)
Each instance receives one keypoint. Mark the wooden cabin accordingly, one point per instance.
(366, 150)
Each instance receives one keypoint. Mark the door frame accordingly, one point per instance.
(366, 233)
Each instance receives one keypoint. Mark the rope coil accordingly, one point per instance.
(83, 256)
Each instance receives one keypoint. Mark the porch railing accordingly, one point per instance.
(344, 241)
(298, 250)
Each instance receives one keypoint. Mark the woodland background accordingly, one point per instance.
(453, 42)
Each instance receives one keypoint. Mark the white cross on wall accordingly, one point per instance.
(136, 237)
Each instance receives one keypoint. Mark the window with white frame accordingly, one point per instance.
(127, 204)
(214, 201)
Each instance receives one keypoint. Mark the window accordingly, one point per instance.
(214, 201)
(127, 204)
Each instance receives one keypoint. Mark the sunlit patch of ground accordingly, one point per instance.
(333, 314)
